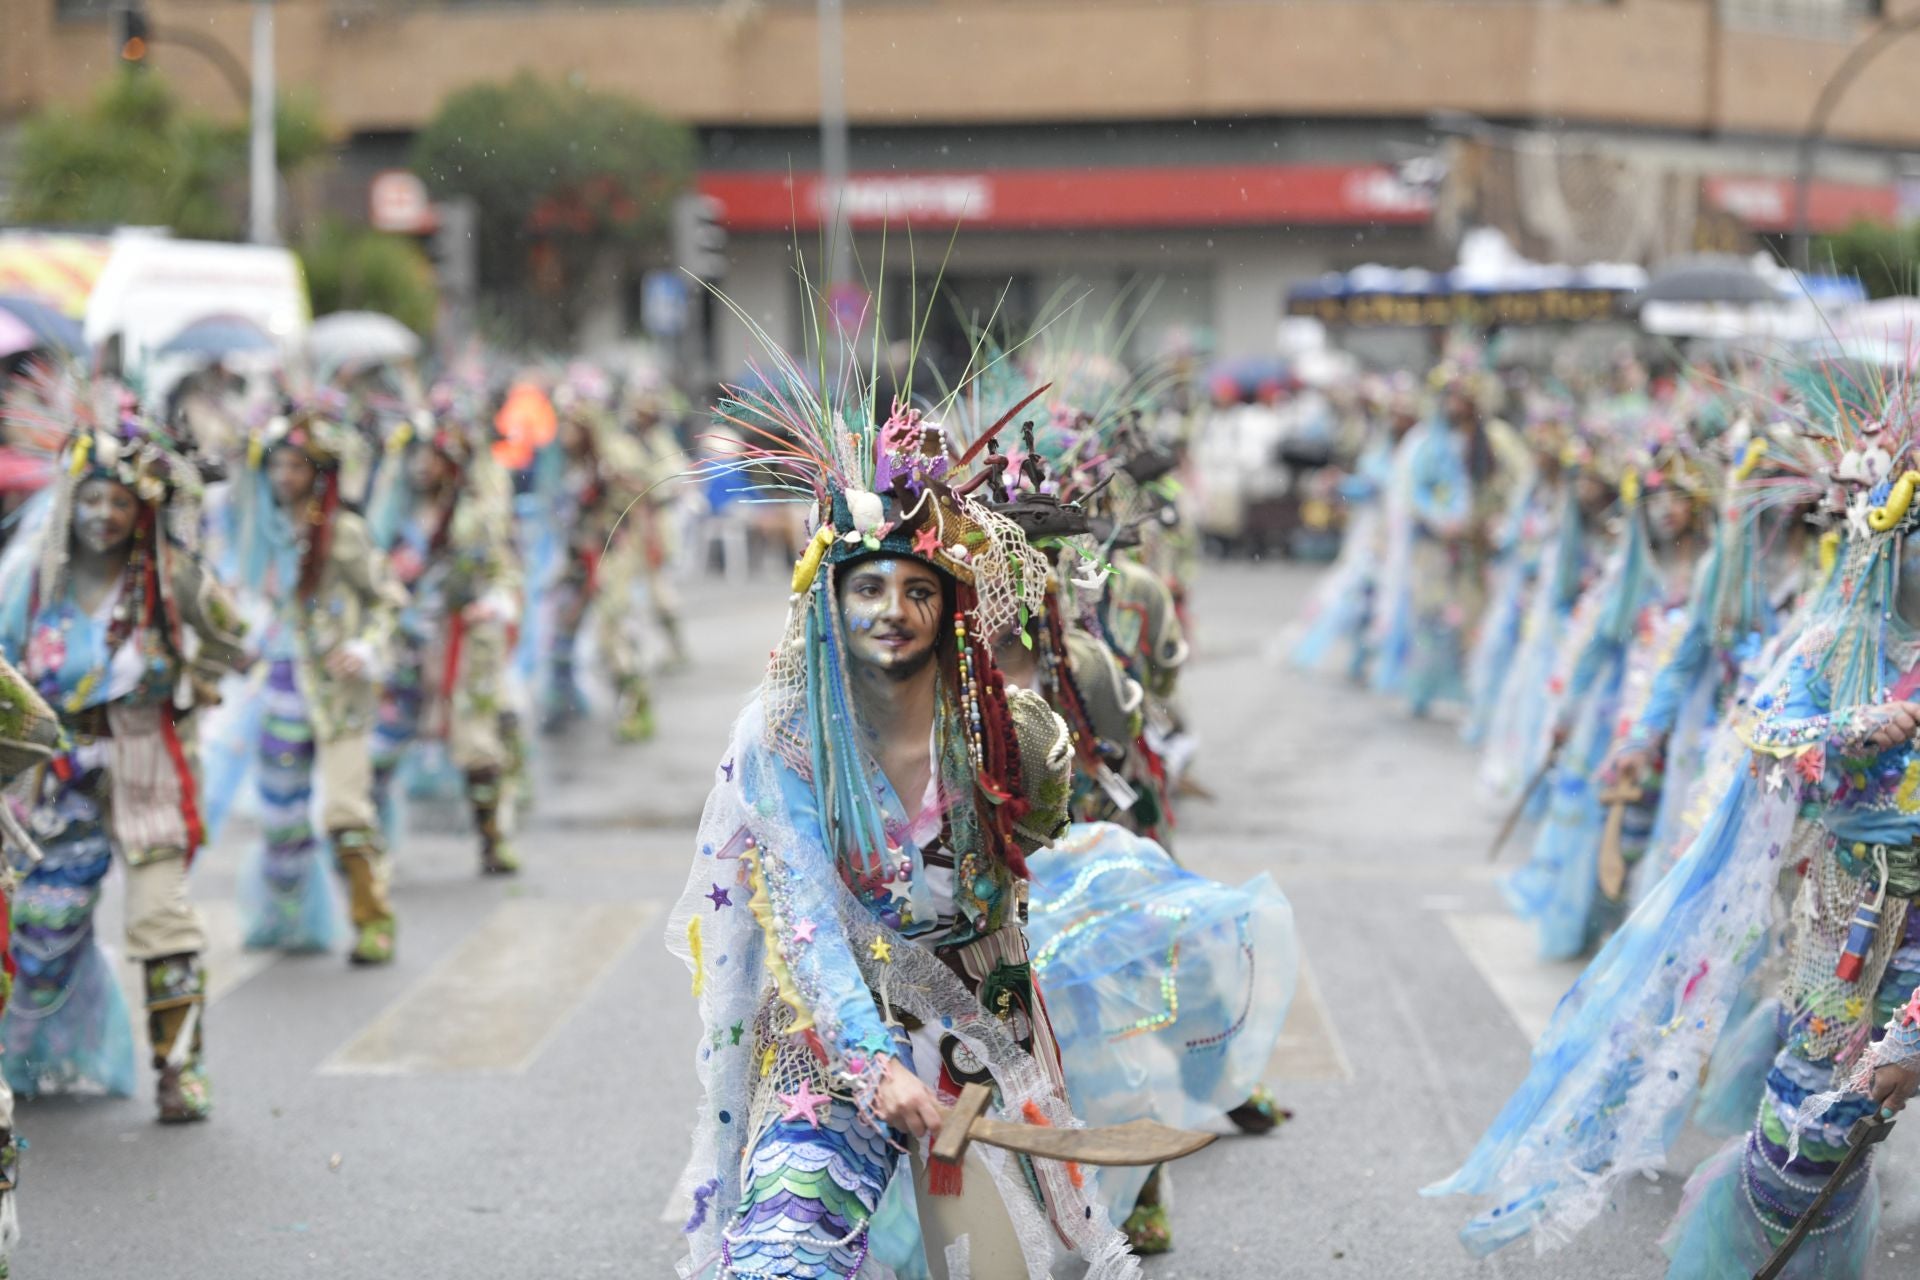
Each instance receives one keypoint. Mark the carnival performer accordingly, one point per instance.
(604, 479)
(1521, 546)
(1518, 745)
(1110, 906)
(334, 607)
(653, 411)
(118, 624)
(1575, 880)
(852, 919)
(1341, 612)
(442, 511)
(1733, 612)
(1829, 741)
(1452, 474)
(29, 733)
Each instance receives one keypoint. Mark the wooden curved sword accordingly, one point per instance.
(1138, 1142)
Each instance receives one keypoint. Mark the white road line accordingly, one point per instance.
(1503, 949)
(1309, 1048)
(493, 1003)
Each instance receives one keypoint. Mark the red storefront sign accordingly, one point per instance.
(1029, 199)
(1767, 204)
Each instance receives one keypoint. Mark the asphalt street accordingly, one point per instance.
(512, 1097)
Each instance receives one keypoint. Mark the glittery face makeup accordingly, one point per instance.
(103, 515)
(290, 475)
(890, 607)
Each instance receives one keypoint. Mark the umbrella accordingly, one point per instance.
(1706, 278)
(16, 335)
(348, 336)
(56, 332)
(217, 336)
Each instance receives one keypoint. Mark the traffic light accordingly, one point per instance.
(699, 236)
(131, 34)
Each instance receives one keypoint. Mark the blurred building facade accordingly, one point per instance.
(1204, 153)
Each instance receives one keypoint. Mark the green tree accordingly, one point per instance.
(567, 182)
(135, 155)
(349, 268)
(1886, 259)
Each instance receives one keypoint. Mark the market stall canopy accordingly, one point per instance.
(1491, 285)
(57, 270)
(1720, 278)
(348, 337)
(55, 331)
(218, 336)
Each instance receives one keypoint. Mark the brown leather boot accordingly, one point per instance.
(176, 999)
(363, 862)
(496, 851)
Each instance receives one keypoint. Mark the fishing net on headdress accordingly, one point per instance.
(1009, 576)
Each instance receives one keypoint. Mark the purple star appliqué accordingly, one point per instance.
(721, 898)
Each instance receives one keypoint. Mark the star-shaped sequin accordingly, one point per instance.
(804, 1104)
(727, 769)
(927, 541)
(882, 950)
(803, 932)
(719, 897)
(899, 890)
(1776, 778)
(736, 1031)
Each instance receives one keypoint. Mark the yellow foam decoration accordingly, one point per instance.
(808, 565)
(1829, 553)
(82, 449)
(762, 907)
(695, 946)
(256, 453)
(1630, 485)
(1883, 518)
(1756, 450)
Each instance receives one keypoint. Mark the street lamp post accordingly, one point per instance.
(833, 145)
(262, 180)
(1871, 46)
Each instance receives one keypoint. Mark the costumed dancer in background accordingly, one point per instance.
(335, 604)
(29, 733)
(1829, 743)
(1576, 877)
(1730, 616)
(443, 513)
(1139, 1038)
(1342, 609)
(603, 480)
(653, 411)
(1521, 547)
(1452, 475)
(1519, 740)
(865, 848)
(114, 619)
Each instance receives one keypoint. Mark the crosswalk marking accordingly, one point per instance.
(493, 1003)
(1308, 1048)
(1502, 947)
